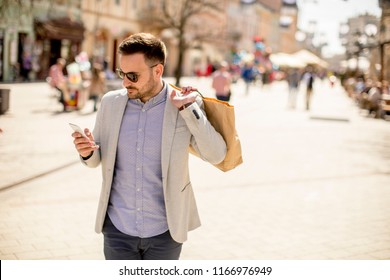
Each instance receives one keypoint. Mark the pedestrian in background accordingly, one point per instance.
(98, 84)
(293, 79)
(308, 78)
(26, 66)
(372, 101)
(57, 80)
(141, 137)
(248, 74)
(221, 82)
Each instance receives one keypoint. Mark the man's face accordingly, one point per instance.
(148, 78)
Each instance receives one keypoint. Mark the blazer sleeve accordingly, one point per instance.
(95, 159)
(209, 144)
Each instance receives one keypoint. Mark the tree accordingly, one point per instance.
(187, 20)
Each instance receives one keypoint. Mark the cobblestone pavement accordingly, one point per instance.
(314, 184)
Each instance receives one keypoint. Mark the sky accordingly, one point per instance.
(329, 14)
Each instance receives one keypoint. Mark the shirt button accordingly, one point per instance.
(138, 209)
(143, 110)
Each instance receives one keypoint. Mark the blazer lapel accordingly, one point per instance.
(119, 107)
(169, 124)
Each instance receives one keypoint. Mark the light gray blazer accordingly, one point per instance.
(180, 130)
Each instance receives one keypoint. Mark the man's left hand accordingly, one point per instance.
(188, 95)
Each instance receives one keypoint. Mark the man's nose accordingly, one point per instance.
(126, 82)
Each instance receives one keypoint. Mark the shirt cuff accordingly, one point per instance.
(87, 157)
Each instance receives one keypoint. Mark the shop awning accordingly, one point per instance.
(286, 60)
(62, 28)
(310, 58)
(299, 59)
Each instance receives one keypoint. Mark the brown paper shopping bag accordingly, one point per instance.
(221, 116)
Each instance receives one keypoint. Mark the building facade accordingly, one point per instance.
(107, 23)
(16, 34)
(40, 31)
(34, 33)
(213, 34)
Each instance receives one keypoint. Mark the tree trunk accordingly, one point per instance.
(179, 67)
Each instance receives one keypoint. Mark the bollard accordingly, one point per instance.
(4, 100)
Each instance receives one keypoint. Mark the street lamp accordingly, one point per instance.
(371, 30)
(359, 41)
(359, 37)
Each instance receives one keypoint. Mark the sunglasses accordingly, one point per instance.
(132, 76)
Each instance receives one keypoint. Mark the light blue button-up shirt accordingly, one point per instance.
(137, 203)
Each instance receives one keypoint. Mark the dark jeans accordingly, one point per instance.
(120, 246)
(223, 97)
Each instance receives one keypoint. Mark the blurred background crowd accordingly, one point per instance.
(260, 40)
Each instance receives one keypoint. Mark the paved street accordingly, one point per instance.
(314, 184)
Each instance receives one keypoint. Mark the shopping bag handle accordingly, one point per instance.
(177, 88)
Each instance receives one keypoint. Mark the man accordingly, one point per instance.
(309, 77)
(374, 99)
(248, 75)
(293, 79)
(222, 81)
(141, 138)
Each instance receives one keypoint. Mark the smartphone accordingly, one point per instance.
(78, 129)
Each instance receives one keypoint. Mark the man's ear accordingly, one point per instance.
(159, 70)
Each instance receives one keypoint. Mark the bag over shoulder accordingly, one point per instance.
(222, 117)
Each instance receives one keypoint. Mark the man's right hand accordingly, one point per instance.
(84, 146)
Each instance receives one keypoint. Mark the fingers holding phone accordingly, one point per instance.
(84, 141)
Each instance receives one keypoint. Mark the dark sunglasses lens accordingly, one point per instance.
(132, 77)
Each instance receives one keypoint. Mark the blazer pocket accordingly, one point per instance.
(185, 187)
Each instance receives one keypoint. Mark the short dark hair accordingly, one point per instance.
(153, 48)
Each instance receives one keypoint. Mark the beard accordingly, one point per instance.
(147, 91)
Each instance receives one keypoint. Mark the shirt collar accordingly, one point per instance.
(161, 96)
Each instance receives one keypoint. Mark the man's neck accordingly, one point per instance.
(158, 88)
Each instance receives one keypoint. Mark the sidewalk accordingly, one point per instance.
(35, 138)
(314, 185)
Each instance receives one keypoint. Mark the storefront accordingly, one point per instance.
(15, 43)
(57, 38)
